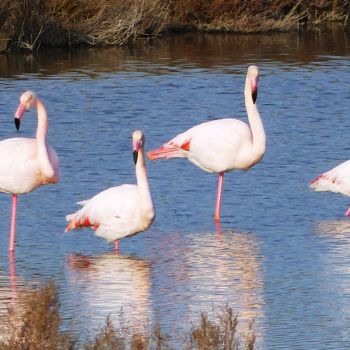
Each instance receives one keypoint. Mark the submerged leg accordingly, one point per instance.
(116, 246)
(218, 198)
(13, 223)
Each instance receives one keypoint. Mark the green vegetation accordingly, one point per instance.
(34, 324)
(66, 23)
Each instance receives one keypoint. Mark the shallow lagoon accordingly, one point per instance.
(283, 256)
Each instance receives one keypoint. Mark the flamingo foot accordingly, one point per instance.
(116, 246)
(218, 226)
(347, 213)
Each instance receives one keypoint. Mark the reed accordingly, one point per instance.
(29, 24)
(34, 324)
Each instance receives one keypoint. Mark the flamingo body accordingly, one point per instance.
(20, 170)
(114, 213)
(120, 211)
(26, 163)
(222, 145)
(335, 180)
(216, 146)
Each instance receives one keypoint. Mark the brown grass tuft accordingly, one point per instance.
(34, 322)
(34, 325)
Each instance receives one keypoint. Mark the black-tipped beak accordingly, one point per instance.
(254, 95)
(135, 154)
(17, 123)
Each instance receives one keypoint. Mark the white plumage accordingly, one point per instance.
(120, 211)
(335, 180)
(27, 163)
(222, 145)
(20, 170)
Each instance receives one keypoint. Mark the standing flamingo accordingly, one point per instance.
(27, 163)
(119, 211)
(222, 145)
(335, 180)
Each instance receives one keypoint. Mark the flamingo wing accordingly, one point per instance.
(335, 180)
(214, 146)
(20, 167)
(118, 202)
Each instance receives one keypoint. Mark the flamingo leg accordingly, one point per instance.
(12, 271)
(13, 223)
(218, 198)
(347, 213)
(116, 246)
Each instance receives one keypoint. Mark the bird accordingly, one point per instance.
(222, 145)
(119, 211)
(335, 180)
(27, 163)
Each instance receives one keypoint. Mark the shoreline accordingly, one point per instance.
(51, 23)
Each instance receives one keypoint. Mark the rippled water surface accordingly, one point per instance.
(283, 258)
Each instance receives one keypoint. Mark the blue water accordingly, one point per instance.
(283, 257)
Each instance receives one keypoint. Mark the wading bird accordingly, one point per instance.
(335, 180)
(25, 163)
(119, 211)
(222, 145)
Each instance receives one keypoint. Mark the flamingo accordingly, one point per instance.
(222, 145)
(335, 180)
(120, 211)
(27, 163)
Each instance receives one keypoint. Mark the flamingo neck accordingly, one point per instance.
(41, 132)
(255, 122)
(142, 184)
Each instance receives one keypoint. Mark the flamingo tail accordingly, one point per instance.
(166, 152)
(73, 223)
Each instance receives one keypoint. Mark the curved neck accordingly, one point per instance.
(255, 122)
(142, 182)
(41, 132)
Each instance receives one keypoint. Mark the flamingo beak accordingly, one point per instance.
(254, 88)
(19, 114)
(135, 152)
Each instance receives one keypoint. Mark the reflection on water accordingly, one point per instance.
(200, 50)
(113, 285)
(338, 228)
(225, 270)
(212, 270)
(278, 267)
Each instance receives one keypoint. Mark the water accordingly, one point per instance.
(283, 258)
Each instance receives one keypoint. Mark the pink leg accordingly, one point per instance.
(13, 223)
(218, 198)
(116, 246)
(347, 213)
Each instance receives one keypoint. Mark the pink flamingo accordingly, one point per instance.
(120, 211)
(222, 145)
(335, 180)
(27, 163)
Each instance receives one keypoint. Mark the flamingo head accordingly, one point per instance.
(253, 78)
(28, 99)
(138, 140)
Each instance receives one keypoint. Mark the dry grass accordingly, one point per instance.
(35, 325)
(28, 24)
(258, 15)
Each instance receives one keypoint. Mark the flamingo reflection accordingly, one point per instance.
(213, 271)
(113, 285)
